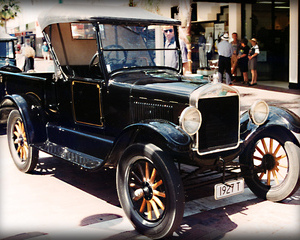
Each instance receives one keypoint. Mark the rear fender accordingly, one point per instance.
(159, 132)
(280, 119)
(31, 113)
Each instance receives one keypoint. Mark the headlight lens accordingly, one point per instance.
(259, 112)
(190, 120)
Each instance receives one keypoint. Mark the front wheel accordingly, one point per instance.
(150, 190)
(271, 166)
(24, 156)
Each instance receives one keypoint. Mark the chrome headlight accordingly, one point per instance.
(190, 120)
(259, 112)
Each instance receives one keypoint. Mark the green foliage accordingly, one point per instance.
(9, 10)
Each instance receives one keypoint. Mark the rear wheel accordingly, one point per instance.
(24, 156)
(272, 166)
(150, 190)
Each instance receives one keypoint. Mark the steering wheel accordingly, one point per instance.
(94, 67)
(116, 59)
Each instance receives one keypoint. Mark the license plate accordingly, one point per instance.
(234, 187)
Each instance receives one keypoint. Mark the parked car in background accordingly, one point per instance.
(113, 103)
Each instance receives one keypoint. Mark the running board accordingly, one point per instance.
(84, 160)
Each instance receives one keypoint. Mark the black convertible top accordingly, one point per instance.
(62, 13)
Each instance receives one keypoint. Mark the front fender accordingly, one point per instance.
(162, 133)
(279, 118)
(31, 113)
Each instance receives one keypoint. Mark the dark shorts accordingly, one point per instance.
(243, 65)
(225, 64)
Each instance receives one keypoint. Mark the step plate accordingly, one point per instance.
(84, 160)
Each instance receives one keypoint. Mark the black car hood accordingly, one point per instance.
(158, 85)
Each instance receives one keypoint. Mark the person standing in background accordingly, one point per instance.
(243, 59)
(171, 56)
(209, 46)
(225, 52)
(253, 53)
(202, 52)
(235, 47)
(29, 54)
(45, 51)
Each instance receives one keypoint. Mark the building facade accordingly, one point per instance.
(274, 23)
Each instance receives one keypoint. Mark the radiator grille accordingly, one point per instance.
(144, 111)
(220, 123)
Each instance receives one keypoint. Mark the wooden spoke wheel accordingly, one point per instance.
(270, 165)
(270, 161)
(150, 190)
(24, 156)
(147, 190)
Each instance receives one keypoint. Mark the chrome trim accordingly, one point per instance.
(214, 90)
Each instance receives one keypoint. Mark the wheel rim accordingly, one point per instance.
(270, 162)
(147, 191)
(20, 140)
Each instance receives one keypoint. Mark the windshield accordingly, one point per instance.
(138, 46)
(6, 49)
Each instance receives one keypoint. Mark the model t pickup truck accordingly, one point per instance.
(113, 102)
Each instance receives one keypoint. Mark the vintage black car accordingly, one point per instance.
(114, 103)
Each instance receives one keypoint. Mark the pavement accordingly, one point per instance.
(62, 202)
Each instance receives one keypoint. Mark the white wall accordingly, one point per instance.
(207, 11)
(294, 42)
(235, 23)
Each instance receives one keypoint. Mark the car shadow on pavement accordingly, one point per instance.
(208, 224)
(100, 184)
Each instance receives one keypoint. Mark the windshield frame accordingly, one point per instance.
(103, 50)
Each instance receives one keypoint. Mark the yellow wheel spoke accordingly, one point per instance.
(16, 134)
(155, 209)
(153, 176)
(142, 208)
(159, 203)
(279, 174)
(271, 145)
(18, 128)
(275, 177)
(280, 157)
(269, 178)
(264, 145)
(149, 210)
(261, 175)
(160, 194)
(147, 171)
(283, 166)
(141, 172)
(277, 149)
(21, 124)
(156, 185)
(21, 153)
(259, 150)
(25, 153)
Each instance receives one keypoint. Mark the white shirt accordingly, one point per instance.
(225, 49)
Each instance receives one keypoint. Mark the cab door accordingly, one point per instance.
(86, 99)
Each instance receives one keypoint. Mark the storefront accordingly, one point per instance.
(274, 23)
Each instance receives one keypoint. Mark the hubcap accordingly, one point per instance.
(270, 161)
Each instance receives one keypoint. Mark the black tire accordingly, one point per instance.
(270, 166)
(24, 156)
(152, 199)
